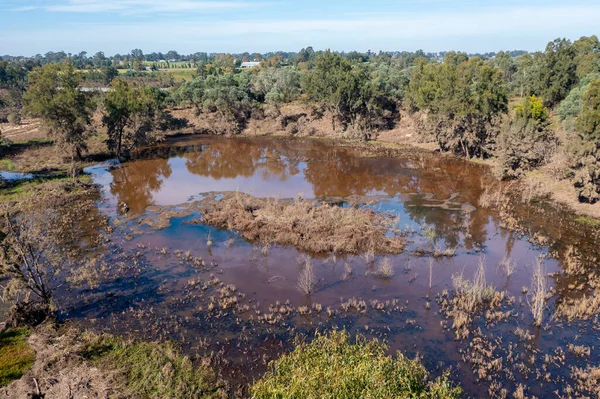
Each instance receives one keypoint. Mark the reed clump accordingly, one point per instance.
(307, 225)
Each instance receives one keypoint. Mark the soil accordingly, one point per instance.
(59, 371)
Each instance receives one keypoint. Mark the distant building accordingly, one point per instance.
(250, 64)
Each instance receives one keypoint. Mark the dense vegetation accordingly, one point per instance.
(332, 366)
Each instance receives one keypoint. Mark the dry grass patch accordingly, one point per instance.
(470, 298)
(587, 381)
(583, 308)
(306, 225)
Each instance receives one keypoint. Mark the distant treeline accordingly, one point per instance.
(99, 60)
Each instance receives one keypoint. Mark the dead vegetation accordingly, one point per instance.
(470, 297)
(538, 291)
(587, 381)
(304, 224)
(584, 308)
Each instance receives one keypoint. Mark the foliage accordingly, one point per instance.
(276, 85)
(16, 356)
(55, 98)
(570, 108)
(334, 367)
(154, 370)
(226, 95)
(585, 150)
(463, 98)
(132, 115)
(555, 72)
(585, 169)
(526, 141)
(587, 55)
(346, 91)
(588, 122)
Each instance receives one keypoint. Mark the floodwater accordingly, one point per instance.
(184, 289)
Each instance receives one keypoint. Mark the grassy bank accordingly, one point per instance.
(16, 356)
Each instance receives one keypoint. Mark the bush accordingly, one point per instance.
(525, 142)
(586, 151)
(585, 169)
(334, 367)
(14, 118)
(276, 85)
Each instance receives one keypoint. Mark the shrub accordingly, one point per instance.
(14, 118)
(585, 169)
(334, 367)
(525, 142)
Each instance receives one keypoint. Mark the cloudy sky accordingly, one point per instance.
(29, 27)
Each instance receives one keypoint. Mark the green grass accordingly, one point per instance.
(588, 221)
(7, 164)
(332, 366)
(182, 74)
(16, 356)
(25, 188)
(154, 370)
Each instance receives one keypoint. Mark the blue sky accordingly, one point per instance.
(28, 27)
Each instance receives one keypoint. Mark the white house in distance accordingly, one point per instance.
(250, 64)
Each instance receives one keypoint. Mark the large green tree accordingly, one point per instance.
(555, 72)
(132, 115)
(346, 90)
(55, 97)
(463, 98)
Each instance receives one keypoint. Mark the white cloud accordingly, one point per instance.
(470, 30)
(136, 6)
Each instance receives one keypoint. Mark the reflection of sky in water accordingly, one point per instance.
(182, 184)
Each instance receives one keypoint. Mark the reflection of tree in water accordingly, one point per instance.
(135, 182)
(346, 174)
(229, 159)
(332, 171)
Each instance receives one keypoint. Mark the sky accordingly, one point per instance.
(29, 27)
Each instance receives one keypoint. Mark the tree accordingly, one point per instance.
(526, 141)
(54, 96)
(463, 98)
(555, 73)
(276, 85)
(588, 122)
(586, 150)
(132, 115)
(345, 90)
(587, 55)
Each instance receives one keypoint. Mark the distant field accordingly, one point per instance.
(172, 65)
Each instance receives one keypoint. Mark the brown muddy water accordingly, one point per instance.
(238, 302)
